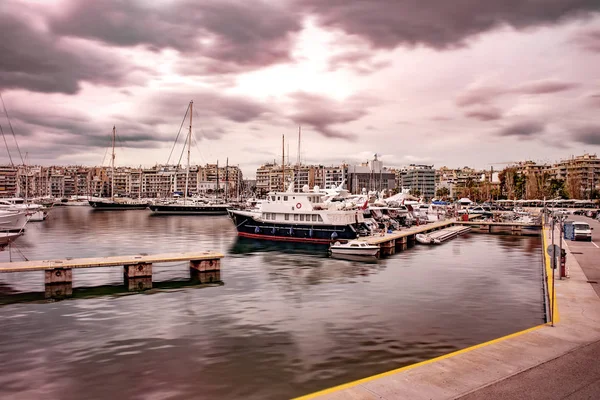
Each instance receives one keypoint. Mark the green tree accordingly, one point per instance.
(415, 192)
(442, 193)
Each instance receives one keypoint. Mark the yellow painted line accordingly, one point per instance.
(409, 367)
(455, 353)
(549, 275)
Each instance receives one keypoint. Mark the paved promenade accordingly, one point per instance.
(560, 362)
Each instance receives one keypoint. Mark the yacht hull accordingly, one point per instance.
(106, 205)
(11, 221)
(174, 209)
(318, 234)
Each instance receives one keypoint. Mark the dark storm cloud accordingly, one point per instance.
(480, 95)
(544, 86)
(321, 113)
(523, 129)
(484, 95)
(208, 105)
(360, 61)
(222, 36)
(36, 60)
(587, 135)
(440, 24)
(485, 114)
(588, 39)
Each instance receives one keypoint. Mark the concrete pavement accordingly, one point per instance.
(527, 365)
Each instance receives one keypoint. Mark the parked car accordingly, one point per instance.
(582, 231)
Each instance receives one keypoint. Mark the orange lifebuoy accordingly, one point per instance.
(298, 206)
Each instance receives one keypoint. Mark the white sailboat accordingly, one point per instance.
(189, 206)
(120, 203)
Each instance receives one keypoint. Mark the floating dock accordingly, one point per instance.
(137, 269)
(438, 237)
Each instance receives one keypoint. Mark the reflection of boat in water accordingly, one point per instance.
(356, 257)
(246, 246)
(356, 247)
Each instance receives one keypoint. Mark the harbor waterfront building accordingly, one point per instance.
(158, 181)
(419, 177)
(581, 174)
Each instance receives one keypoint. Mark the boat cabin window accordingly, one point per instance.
(301, 217)
(278, 198)
(354, 245)
(320, 219)
(287, 217)
(314, 217)
(272, 198)
(285, 198)
(295, 217)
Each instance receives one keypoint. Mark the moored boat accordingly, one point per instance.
(298, 217)
(356, 247)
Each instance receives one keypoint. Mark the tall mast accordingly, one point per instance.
(189, 143)
(112, 166)
(283, 163)
(217, 192)
(299, 138)
(226, 178)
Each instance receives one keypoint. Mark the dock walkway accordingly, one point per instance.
(137, 269)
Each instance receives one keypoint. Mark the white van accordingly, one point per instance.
(582, 231)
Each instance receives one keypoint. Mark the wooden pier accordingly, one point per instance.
(137, 270)
(513, 226)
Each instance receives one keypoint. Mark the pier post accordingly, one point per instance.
(205, 277)
(205, 265)
(138, 284)
(388, 248)
(137, 270)
(58, 283)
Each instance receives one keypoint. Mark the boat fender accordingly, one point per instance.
(257, 230)
(273, 230)
(310, 233)
(334, 236)
(291, 231)
(298, 206)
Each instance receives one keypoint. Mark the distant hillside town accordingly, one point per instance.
(577, 177)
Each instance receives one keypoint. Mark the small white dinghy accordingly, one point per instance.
(357, 247)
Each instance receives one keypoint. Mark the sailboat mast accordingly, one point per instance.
(112, 166)
(283, 163)
(217, 192)
(189, 143)
(226, 178)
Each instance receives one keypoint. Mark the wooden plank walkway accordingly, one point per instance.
(42, 265)
(408, 232)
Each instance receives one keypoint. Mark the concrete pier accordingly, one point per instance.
(137, 269)
(513, 366)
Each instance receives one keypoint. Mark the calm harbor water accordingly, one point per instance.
(287, 320)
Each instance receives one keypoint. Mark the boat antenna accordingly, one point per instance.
(283, 163)
(112, 166)
(299, 139)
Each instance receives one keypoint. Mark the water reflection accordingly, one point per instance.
(289, 320)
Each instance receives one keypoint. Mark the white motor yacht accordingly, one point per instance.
(356, 247)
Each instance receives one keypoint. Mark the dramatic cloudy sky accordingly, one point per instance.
(462, 82)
